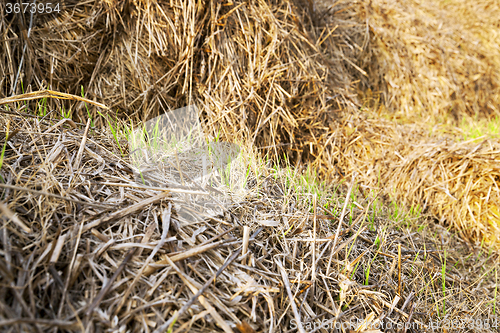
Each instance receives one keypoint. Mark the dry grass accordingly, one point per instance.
(77, 253)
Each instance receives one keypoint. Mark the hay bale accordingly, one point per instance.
(436, 59)
(455, 181)
(255, 69)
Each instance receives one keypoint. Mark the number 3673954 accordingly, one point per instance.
(32, 7)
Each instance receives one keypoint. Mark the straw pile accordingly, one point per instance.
(432, 62)
(84, 247)
(457, 182)
(436, 60)
(254, 68)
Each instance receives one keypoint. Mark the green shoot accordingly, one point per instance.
(171, 327)
(443, 279)
(114, 131)
(42, 107)
(88, 112)
(367, 272)
(355, 269)
(3, 153)
(65, 114)
(496, 291)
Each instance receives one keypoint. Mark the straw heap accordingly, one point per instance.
(455, 181)
(436, 59)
